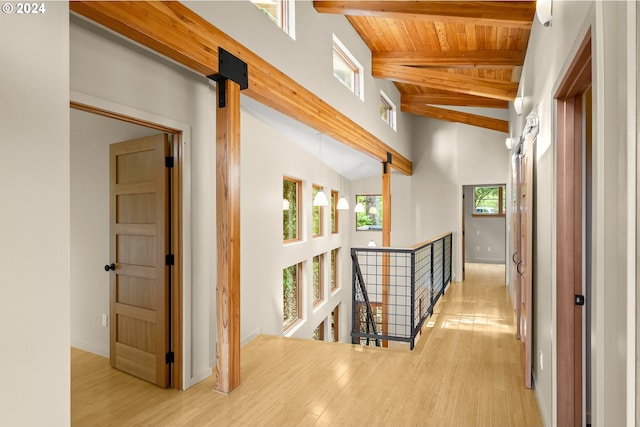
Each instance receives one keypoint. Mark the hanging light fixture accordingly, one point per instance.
(373, 210)
(343, 205)
(285, 205)
(321, 198)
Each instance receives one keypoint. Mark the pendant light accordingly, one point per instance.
(343, 205)
(321, 198)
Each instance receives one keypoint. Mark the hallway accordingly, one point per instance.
(465, 371)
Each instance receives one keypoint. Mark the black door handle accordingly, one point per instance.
(110, 267)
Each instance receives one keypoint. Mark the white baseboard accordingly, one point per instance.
(250, 337)
(543, 411)
(90, 348)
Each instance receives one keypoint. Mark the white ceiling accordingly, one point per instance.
(352, 164)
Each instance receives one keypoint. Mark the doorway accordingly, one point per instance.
(92, 131)
(573, 238)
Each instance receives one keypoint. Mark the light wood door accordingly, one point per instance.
(139, 337)
(526, 260)
(516, 255)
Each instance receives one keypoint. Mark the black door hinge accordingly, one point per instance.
(169, 357)
(169, 260)
(579, 299)
(168, 161)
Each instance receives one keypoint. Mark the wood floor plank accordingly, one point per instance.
(465, 370)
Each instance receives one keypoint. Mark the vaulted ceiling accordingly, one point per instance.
(443, 54)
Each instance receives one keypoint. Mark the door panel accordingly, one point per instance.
(516, 256)
(526, 253)
(139, 242)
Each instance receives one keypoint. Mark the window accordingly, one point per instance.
(335, 321)
(334, 268)
(290, 203)
(334, 211)
(364, 327)
(489, 200)
(347, 69)
(371, 218)
(281, 12)
(318, 333)
(318, 285)
(387, 110)
(317, 213)
(291, 295)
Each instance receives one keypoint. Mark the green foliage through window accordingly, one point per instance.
(290, 287)
(290, 191)
(372, 217)
(489, 200)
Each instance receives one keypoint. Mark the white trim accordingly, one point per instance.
(360, 78)
(185, 128)
(90, 348)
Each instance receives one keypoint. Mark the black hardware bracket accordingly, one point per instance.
(229, 68)
(579, 299)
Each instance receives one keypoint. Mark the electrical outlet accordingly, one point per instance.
(105, 319)
(541, 364)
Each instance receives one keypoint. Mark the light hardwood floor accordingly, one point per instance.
(465, 371)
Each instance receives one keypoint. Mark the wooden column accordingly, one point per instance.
(386, 242)
(228, 235)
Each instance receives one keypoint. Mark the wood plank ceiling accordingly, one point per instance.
(445, 53)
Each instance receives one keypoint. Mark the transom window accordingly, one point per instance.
(290, 212)
(347, 69)
(291, 295)
(489, 200)
(280, 12)
(387, 110)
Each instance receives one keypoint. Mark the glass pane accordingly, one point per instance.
(343, 71)
(317, 278)
(334, 268)
(270, 8)
(290, 294)
(486, 200)
(372, 217)
(289, 210)
(317, 214)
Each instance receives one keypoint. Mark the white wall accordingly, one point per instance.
(552, 49)
(267, 155)
(309, 61)
(34, 193)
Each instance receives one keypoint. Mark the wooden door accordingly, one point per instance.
(526, 257)
(139, 339)
(516, 256)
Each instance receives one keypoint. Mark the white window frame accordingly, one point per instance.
(286, 16)
(385, 101)
(351, 62)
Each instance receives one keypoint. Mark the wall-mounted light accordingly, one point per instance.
(509, 143)
(517, 105)
(543, 12)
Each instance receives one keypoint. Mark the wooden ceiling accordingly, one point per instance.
(445, 53)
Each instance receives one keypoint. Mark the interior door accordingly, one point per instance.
(526, 260)
(139, 338)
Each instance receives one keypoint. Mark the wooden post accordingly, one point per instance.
(228, 236)
(386, 242)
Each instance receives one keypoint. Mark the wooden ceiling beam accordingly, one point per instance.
(516, 14)
(447, 81)
(175, 31)
(457, 116)
(471, 59)
(453, 99)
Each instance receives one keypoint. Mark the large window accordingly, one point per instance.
(334, 211)
(290, 206)
(387, 110)
(372, 216)
(347, 69)
(281, 12)
(489, 200)
(291, 295)
(334, 268)
(318, 279)
(317, 213)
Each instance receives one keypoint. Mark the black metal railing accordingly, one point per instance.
(395, 289)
